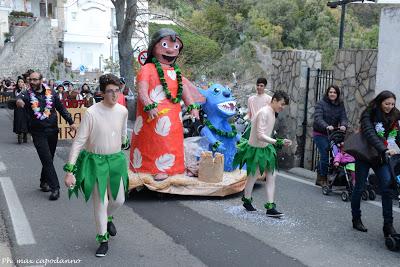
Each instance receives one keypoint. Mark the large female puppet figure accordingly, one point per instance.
(157, 139)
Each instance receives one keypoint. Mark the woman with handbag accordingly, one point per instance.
(379, 126)
(329, 114)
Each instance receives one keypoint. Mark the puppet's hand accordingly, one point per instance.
(153, 113)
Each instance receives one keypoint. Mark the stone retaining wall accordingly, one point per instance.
(23, 53)
(289, 74)
(354, 71)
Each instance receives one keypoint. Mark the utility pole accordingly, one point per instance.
(341, 33)
(343, 4)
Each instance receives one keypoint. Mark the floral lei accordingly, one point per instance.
(219, 132)
(380, 131)
(36, 106)
(167, 92)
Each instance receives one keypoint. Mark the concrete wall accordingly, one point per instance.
(388, 77)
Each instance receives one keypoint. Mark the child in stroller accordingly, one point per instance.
(346, 161)
(341, 170)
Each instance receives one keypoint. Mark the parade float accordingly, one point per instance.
(160, 158)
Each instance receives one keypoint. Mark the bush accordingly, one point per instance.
(198, 50)
(21, 14)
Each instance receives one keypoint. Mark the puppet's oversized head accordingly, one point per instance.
(165, 46)
(219, 101)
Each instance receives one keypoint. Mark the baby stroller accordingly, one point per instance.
(342, 177)
(339, 177)
(394, 164)
(392, 242)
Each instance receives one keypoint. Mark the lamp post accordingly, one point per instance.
(343, 3)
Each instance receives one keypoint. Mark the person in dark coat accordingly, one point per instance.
(62, 95)
(20, 123)
(380, 127)
(41, 104)
(330, 113)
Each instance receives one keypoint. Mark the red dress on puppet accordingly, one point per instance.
(157, 145)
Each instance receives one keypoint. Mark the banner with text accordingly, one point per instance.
(65, 132)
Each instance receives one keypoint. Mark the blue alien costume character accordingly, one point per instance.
(222, 136)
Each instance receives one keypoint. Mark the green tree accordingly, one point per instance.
(126, 14)
(297, 24)
(198, 50)
(214, 22)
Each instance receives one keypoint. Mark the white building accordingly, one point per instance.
(39, 8)
(87, 26)
(88, 30)
(91, 35)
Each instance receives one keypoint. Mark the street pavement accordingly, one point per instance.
(167, 230)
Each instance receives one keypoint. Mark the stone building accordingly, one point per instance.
(34, 36)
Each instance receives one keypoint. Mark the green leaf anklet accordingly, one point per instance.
(269, 205)
(102, 238)
(247, 200)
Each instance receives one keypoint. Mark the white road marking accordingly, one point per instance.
(22, 228)
(290, 177)
(3, 167)
(379, 204)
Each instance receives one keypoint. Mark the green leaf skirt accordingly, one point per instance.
(263, 158)
(92, 168)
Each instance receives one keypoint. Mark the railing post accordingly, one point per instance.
(304, 136)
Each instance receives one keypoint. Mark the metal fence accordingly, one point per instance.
(323, 78)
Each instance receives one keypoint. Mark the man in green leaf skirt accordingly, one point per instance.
(259, 153)
(96, 164)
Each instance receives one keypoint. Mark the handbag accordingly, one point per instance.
(357, 146)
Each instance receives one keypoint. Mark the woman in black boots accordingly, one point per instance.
(379, 125)
(20, 126)
(330, 113)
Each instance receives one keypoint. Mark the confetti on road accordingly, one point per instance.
(258, 217)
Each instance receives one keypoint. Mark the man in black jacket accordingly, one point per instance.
(41, 103)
